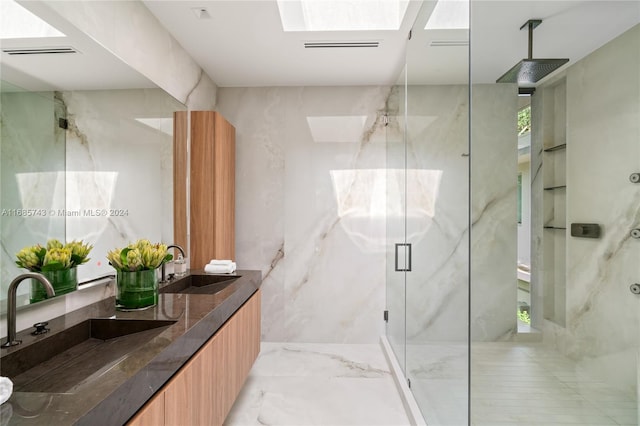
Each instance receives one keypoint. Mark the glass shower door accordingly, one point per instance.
(437, 195)
(395, 224)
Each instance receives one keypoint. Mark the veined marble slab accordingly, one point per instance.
(307, 211)
(603, 148)
(319, 384)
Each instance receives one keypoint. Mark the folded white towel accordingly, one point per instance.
(220, 262)
(220, 269)
(6, 388)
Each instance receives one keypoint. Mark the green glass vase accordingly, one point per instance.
(63, 282)
(136, 290)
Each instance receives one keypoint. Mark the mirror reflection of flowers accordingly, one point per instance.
(54, 257)
(139, 256)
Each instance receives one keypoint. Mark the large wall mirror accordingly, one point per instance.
(86, 146)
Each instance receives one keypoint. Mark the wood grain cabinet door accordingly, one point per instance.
(212, 188)
(152, 414)
(204, 390)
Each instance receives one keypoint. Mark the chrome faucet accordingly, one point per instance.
(11, 304)
(163, 273)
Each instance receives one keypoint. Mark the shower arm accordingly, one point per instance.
(531, 24)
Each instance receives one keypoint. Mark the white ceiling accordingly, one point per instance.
(569, 29)
(243, 44)
(92, 68)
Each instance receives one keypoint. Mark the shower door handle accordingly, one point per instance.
(406, 248)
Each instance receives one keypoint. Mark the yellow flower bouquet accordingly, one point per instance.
(139, 256)
(137, 280)
(54, 257)
(57, 262)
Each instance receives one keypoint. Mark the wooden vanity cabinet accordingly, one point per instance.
(152, 414)
(204, 390)
(211, 186)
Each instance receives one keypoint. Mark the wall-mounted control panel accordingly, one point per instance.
(585, 230)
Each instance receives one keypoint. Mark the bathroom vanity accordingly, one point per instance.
(182, 361)
(204, 390)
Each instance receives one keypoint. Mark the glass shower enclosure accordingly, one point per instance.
(485, 332)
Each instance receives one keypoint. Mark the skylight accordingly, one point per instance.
(341, 15)
(449, 15)
(18, 22)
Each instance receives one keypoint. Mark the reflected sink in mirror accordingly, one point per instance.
(199, 284)
(64, 361)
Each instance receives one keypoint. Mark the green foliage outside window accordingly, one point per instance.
(524, 120)
(524, 317)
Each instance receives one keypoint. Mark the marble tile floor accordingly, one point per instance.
(319, 384)
(519, 384)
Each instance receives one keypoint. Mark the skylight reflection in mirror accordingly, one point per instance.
(18, 22)
(342, 15)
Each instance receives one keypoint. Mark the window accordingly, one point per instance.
(520, 198)
(524, 120)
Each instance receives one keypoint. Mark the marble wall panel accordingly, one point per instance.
(308, 213)
(494, 162)
(437, 286)
(603, 114)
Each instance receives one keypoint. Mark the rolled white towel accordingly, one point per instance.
(6, 388)
(220, 262)
(220, 269)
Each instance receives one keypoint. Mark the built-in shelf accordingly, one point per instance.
(551, 188)
(552, 126)
(556, 148)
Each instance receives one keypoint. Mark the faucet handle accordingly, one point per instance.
(41, 328)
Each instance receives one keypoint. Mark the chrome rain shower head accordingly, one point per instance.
(531, 70)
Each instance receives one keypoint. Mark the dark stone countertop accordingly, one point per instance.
(113, 396)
